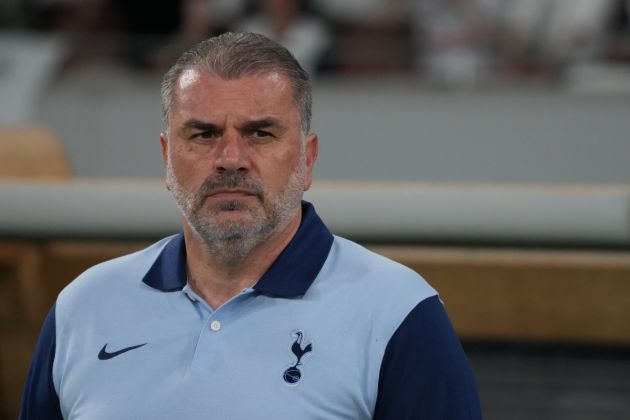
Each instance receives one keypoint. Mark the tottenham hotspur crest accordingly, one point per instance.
(293, 375)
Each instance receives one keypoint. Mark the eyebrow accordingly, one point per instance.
(264, 123)
(249, 125)
(200, 125)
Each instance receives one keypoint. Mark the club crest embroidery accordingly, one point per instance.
(293, 375)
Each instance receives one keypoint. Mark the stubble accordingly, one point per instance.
(231, 241)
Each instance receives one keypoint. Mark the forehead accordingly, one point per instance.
(200, 91)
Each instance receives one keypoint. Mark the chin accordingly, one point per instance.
(222, 217)
(243, 214)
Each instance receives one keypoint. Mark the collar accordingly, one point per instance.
(290, 275)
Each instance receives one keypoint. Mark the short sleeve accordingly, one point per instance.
(424, 372)
(40, 400)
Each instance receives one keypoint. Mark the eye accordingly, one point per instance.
(209, 134)
(261, 134)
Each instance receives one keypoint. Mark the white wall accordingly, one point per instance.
(109, 121)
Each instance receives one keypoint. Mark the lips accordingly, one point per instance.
(231, 185)
(231, 193)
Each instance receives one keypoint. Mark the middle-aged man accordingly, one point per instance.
(256, 311)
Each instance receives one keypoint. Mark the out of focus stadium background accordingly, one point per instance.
(484, 143)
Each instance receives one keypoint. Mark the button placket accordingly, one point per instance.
(227, 309)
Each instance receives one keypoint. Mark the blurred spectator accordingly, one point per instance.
(452, 38)
(354, 12)
(144, 33)
(147, 26)
(70, 16)
(184, 24)
(561, 28)
(287, 22)
(545, 35)
(451, 42)
(462, 42)
(618, 48)
(371, 36)
(76, 22)
(10, 15)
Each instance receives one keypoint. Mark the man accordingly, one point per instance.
(256, 311)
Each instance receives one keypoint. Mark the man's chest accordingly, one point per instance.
(248, 360)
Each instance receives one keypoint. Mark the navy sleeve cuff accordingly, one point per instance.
(40, 401)
(425, 373)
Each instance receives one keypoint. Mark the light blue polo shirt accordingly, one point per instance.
(330, 331)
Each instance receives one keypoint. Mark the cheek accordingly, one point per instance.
(188, 174)
(282, 177)
(186, 157)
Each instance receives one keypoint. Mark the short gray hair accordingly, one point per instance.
(236, 54)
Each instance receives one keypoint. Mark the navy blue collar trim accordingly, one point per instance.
(168, 272)
(290, 275)
(293, 272)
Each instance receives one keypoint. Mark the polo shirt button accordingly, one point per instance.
(215, 325)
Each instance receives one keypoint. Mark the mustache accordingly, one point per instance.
(231, 179)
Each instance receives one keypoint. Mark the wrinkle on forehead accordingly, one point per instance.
(195, 85)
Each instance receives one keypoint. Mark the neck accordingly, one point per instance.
(217, 279)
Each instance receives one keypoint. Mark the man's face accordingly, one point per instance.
(235, 159)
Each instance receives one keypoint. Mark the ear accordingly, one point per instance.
(311, 150)
(164, 146)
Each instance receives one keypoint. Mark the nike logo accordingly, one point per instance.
(105, 355)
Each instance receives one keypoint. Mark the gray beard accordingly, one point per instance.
(230, 243)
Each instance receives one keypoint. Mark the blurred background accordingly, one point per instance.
(501, 106)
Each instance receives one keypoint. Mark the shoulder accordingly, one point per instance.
(109, 278)
(371, 287)
(378, 274)
(423, 371)
(419, 369)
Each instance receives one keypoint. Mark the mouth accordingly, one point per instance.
(231, 193)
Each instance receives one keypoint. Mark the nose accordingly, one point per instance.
(232, 154)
